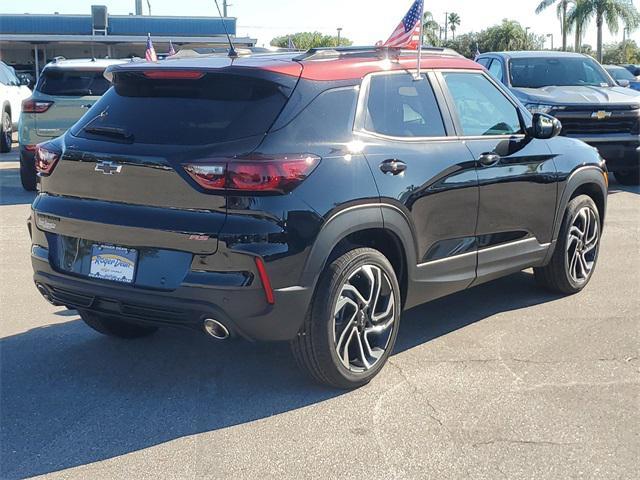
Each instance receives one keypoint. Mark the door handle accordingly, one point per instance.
(489, 159)
(393, 166)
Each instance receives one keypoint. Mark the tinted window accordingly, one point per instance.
(212, 109)
(481, 107)
(73, 83)
(401, 107)
(484, 62)
(621, 74)
(329, 117)
(496, 69)
(568, 71)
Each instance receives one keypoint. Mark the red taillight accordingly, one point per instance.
(173, 74)
(259, 174)
(35, 106)
(266, 283)
(45, 160)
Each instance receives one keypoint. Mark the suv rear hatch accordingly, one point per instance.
(70, 92)
(124, 162)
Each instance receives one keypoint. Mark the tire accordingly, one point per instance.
(114, 326)
(6, 131)
(576, 254)
(28, 176)
(340, 320)
(628, 177)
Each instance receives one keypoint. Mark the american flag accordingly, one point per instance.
(407, 33)
(172, 51)
(150, 53)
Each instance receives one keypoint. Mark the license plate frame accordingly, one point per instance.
(113, 263)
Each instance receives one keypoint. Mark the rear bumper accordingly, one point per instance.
(243, 310)
(622, 152)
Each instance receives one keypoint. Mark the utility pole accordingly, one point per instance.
(550, 35)
(224, 8)
(339, 32)
(526, 37)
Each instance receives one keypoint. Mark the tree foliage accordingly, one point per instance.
(620, 53)
(307, 40)
(509, 35)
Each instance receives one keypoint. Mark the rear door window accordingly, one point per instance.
(399, 106)
(213, 109)
(481, 107)
(72, 83)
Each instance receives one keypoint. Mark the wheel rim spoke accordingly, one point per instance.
(581, 246)
(364, 318)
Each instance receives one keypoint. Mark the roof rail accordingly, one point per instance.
(370, 51)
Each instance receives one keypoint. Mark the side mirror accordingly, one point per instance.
(544, 127)
(624, 83)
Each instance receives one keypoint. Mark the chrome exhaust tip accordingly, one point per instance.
(215, 329)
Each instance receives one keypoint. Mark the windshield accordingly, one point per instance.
(621, 74)
(72, 83)
(544, 72)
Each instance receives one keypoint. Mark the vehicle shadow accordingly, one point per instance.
(71, 397)
(11, 192)
(615, 187)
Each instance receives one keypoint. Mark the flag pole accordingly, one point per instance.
(418, 74)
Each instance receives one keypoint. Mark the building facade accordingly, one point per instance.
(29, 41)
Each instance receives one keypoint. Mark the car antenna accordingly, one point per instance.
(232, 51)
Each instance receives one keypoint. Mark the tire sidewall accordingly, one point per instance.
(572, 212)
(326, 306)
(5, 145)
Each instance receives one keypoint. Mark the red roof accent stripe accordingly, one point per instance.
(351, 69)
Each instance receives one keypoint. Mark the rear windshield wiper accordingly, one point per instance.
(110, 132)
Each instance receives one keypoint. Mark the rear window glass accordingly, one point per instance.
(212, 109)
(73, 83)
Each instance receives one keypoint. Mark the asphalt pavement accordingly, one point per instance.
(501, 381)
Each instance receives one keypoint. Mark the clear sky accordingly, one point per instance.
(363, 21)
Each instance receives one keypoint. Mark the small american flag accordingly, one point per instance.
(150, 53)
(172, 51)
(407, 33)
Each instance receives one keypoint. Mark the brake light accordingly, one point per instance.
(35, 106)
(267, 174)
(45, 160)
(173, 74)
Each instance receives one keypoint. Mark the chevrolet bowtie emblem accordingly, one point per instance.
(108, 168)
(601, 115)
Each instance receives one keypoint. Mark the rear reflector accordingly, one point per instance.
(266, 283)
(35, 106)
(269, 174)
(173, 74)
(45, 160)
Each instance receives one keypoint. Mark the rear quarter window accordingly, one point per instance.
(72, 83)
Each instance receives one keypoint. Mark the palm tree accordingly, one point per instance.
(563, 6)
(609, 11)
(430, 29)
(454, 23)
(576, 25)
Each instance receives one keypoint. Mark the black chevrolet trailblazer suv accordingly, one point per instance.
(308, 198)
